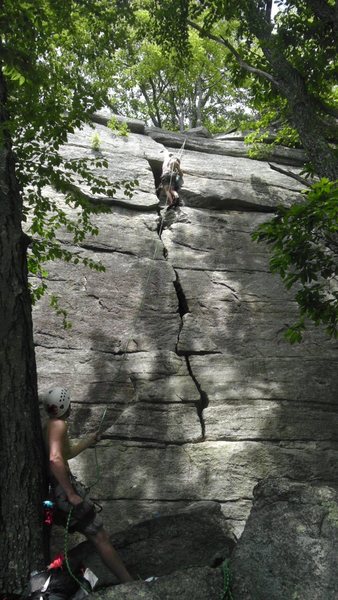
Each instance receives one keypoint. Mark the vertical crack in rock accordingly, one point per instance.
(183, 307)
(203, 401)
(160, 227)
(156, 167)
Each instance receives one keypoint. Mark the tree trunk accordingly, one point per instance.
(303, 115)
(155, 117)
(22, 480)
(302, 107)
(289, 83)
(199, 103)
(181, 120)
(310, 132)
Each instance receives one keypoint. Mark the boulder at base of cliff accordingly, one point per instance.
(288, 549)
(194, 537)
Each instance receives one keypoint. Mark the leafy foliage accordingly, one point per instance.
(304, 240)
(287, 62)
(96, 142)
(119, 127)
(269, 130)
(60, 59)
(149, 81)
(54, 56)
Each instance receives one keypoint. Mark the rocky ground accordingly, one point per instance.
(288, 550)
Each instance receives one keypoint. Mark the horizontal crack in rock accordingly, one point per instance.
(107, 250)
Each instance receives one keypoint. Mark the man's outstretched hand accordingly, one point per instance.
(94, 438)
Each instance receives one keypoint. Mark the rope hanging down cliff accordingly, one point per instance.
(125, 351)
(173, 165)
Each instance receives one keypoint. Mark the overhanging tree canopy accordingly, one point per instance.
(147, 83)
(292, 56)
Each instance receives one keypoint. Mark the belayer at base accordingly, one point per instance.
(68, 494)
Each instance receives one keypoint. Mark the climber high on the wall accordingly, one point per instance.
(73, 509)
(171, 178)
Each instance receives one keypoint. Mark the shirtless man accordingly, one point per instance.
(68, 493)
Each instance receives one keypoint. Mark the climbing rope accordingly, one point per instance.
(180, 153)
(80, 583)
(227, 595)
(124, 355)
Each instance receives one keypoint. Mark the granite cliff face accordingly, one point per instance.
(182, 337)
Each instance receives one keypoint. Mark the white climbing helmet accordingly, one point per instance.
(173, 157)
(56, 401)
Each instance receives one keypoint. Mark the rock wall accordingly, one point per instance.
(289, 545)
(182, 338)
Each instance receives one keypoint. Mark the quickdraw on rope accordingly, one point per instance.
(227, 595)
(48, 506)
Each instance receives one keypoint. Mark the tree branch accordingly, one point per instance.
(209, 85)
(268, 10)
(154, 117)
(329, 110)
(290, 174)
(164, 84)
(240, 60)
(323, 11)
(156, 98)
